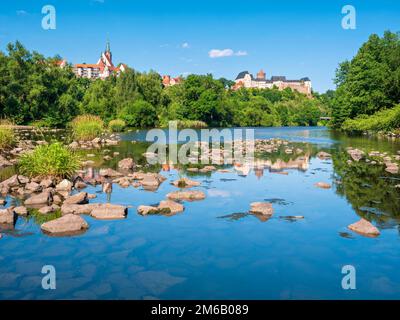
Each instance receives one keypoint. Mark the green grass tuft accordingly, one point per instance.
(87, 127)
(116, 125)
(53, 160)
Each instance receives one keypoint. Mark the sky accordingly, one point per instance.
(291, 38)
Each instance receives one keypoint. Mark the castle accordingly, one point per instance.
(246, 80)
(102, 69)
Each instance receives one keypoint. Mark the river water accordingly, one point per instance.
(215, 249)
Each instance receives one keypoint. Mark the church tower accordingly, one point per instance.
(261, 75)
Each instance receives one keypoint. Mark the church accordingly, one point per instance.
(102, 69)
(247, 80)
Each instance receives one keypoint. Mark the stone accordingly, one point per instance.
(145, 210)
(186, 195)
(21, 211)
(126, 164)
(173, 206)
(12, 182)
(109, 173)
(185, 183)
(3, 202)
(355, 154)
(109, 211)
(192, 169)
(57, 199)
(324, 155)
(91, 196)
(64, 185)
(365, 228)
(23, 179)
(74, 145)
(264, 208)
(107, 158)
(66, 225)
(4, 162)
(42, 198)
(47, 183)
(80, 185)
(151, 181)
(49, 209)
(323, 185)
(79, 198)
(392, 168)
(7, 216)
(76, 209)
(32, 187)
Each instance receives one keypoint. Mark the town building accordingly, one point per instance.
(102, 69)
(168, 81)
(247, 80)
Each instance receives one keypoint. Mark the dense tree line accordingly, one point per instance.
(33, 89)
(368, 84)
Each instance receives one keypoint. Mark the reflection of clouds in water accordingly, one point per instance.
(219, 193)
(384, 285)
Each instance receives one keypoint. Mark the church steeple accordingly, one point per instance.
(108, 45)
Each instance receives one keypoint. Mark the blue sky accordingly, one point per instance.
(291, 38)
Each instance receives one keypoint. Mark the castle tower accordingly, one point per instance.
(261, 74)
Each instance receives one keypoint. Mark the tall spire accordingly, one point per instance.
(108, 45)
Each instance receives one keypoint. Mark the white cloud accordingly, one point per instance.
(217, 53)
(185, 45)
(21, 13)
(241, 53)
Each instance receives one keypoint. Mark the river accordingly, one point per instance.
(215, 249)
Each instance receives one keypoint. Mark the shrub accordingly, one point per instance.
(385, 120)
(139, 114)
(116, 125)
(87, 127)
(195, 124)
(53, 160)
(7, 137)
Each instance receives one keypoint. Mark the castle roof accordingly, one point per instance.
(242, 74)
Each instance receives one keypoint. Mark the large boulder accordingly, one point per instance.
(173, 206)
(126, 164)
(32, 187)
(392, 168)
(109, 173)
(65, 186)
(69, 224)
(109, 211)
(263, 208)
(42, 198)
(79, 198)
(186, 195)
(49, 209)
(76, 209)
(151, 181)
(7, 216)
(12, 182)
(185, 183)
(355, 154)
(21, 211)
(364, 228)
(145, 210)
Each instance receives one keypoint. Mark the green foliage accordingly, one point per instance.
(116, 125)
(370, 82)
(194, 124)
(7, 137)
(53, 160)
(87, 127)
(384, 120)
(140, 114)
(33, 89)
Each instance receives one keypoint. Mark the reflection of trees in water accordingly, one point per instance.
(370, 190)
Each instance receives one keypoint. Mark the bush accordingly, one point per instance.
(385, 120)
(53, 160)
(195, 124)
(7, 137)
(116, 125)
(87, 127)
(139, 114)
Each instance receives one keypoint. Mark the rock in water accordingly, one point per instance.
(7, 216)
(64, 185)
(323, 185)
(21, 211)
(324, 155)
(145, 210)
(79, 198)
(126, 164)
(43, 198)
(107, 187)
(69, 224)
(264, 208)
(185, 183)
(364, 228)
(186, 195)
(109, 211)
(173, 206)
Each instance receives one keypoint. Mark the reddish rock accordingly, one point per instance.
(365, 228)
